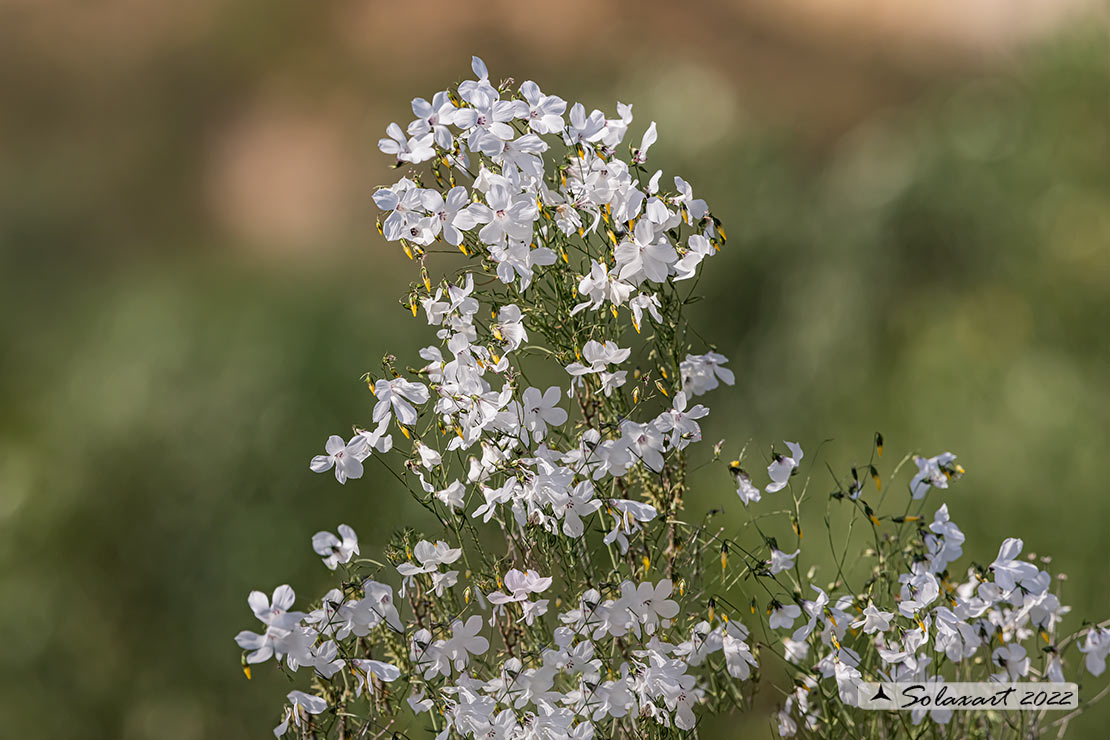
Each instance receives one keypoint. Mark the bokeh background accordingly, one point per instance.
(917, 198)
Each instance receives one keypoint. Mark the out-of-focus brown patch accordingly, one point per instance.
(283, 173)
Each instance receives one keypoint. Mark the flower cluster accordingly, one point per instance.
(564, 595)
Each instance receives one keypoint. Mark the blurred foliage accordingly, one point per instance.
(941, 273)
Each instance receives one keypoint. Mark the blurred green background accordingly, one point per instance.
(918, 208)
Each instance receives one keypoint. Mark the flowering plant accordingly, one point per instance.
(565, 594)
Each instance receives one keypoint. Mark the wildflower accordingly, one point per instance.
(646, 257)
(335, 550)
(371, 669)
(449, 215)
(396, 397)
(545, 112)
(874, 620)
(783, 616)
(933, 471)
(417, 149)
(782, 467)
(346, 458)
(465, 641)
(1008, 571)
(452, 496)
(681, 423)
(434, 117)
(781, 561)
(506, 216)
(703, 373)
(301, 705)
(747, 492)
(1096, 646)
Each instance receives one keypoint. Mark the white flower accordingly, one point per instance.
(430, 557)
(1008, 571)
(394, 396)
(443, 581)
(429, 458)
(782, 467)
(650, 603)
(452, 496)
(522, 156)
(324, 659)
(601, 286)
(795, 651)
(368, 670)
(300, 706)
(644, 302)
(698, 248)
(335, 550)
(933, 471)
(378, 439)
(545, 112)
(506, 215)
(275, 610)
(629, 515)
(434, 117)
(695, 208)
(520, 585)
(539, 411)
(1096, 646)
(781, 561)
(874, 620)
(578, 503)
(650, 137)
(597, 358)
(510, 327)
(583, 129)
(1012, 660)
(465, 641)
(487, 120)
(645, 443)
(415, 150)
(646, 257)
(404, 200)
(681, 423)
(747, 492)
(945, 544)
(346, 458)
(784, 616)
(918, 591)
(700, 373)
(738, 656)
(449, 215)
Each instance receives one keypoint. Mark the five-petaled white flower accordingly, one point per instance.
(345, 457)
(335, 550)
